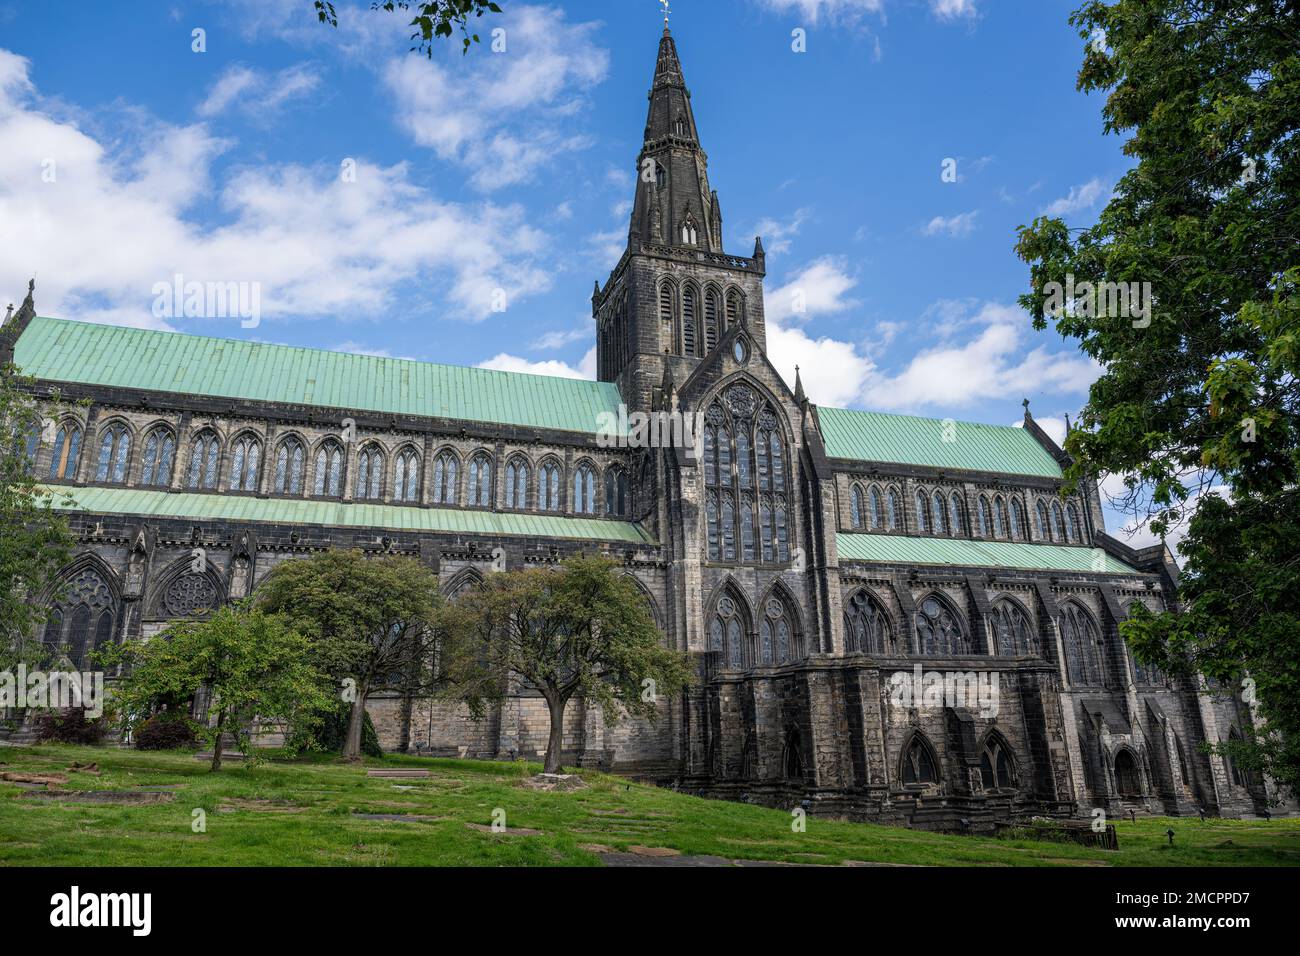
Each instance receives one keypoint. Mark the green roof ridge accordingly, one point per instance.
(962, 552)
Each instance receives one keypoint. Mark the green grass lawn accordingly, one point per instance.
(304, 812)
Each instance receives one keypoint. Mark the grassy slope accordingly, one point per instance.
(301, 813)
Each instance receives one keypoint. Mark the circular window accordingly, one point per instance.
(741, 351)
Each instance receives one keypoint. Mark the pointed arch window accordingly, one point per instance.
(517, 476)
(877, 509)
(370, 474)
(480, 481)
(1058, 523)
(584, 490)
(666, 313)
(997, 772)
(329, 470)
(764, 471)
(616, 493)
(661, 176)
(1072, 525)
(159, 455)
(954, 513)
(985, 516)
(1040, 516)
(922, 513)
(710, 456)
(548, 487)
(868, 629)
(1013, 635)
(918, 763)
(114, 452)
(856, 507)
(1017, 514)
(711, 319)
(289, 462)
(67, 450)
(726, 634)
(891, 510)
(446, 474)
(245, 464)
(735, 308)
(406, 477)
(689, 235)
(938, 512)
(205, 454)
(688, 320)
(939, 629)
(775, 634)
(999, 517)
(1083, 650)
(52, 636)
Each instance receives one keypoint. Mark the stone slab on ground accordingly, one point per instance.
(121, 797)
(509, 831)
(554, 782)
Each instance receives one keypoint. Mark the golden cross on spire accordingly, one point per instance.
(664, 3)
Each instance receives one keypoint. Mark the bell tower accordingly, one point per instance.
(675, 292)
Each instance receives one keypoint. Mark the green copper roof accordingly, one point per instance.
(163, 504)
(908, 440)
(90, 354)
(901, 549)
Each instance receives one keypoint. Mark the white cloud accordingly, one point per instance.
(1080, 198)
(953, 9)
(992, 365)
(557, 340)
(261, 95)
(833, 371)
(956, 227)
(491, 112)
(1055, 428)
(818, 290)
(118, 218)
(777, 234)
(834, 10)
(505, 362)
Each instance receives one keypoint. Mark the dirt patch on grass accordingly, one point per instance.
(235, 804)
(509, 831)
(554, 783)
(117, 797)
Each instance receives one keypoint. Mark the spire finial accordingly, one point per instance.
(664, 4)
(799, 395)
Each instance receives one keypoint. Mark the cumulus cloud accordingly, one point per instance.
(1080, 198)
(833, 370)
(955, 227)
(819, 289)
(122, 215)
(777, 234)
(994, 364)
(953, 9)
(814, 10)
(257, 93)
(504, 362)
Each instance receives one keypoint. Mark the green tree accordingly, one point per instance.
(1198, 405)
(34, 539)
(373, 622)
(433, 19)
(583, 629)
(252, 665)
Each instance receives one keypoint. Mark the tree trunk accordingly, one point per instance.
(216, 745)
(408, 708)
(555, 743)
(356, 721)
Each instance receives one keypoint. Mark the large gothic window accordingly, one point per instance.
(954, 514)
(996, 769)
(480, 481)
(517, 476)
(159, 453)
(406, 476)
(616, 493)
(329, 470)
(88, 613)
(857, 507)
(1013, 634)
(67, 449)
(727, 632)
(370, 474)
(446, 469)
(289, 461)
(245, 462)
(868, 629)
(1040, 517)
(776, 638)
(939, 629)
(918, 764)
(205, 457)
(922, 513)
(114, 452)
(1084, 658)
(548, 487)
(584, 490)
(747, 478)
(938, 512)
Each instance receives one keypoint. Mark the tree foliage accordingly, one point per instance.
(432, 20)
(373, 623)
(252, 666)
(583, 629)
(1198, 407)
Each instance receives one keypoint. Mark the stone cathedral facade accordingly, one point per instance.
(813, 561)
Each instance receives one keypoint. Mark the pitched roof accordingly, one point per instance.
(108, 355)
(909, 440)
(337, 514)
(904, 549)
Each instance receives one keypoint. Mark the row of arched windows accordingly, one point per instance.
(776, 639)
(936, 512)
(919, 763)
(295, 472)
(692, 319)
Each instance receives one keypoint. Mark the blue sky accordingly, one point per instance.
(513, 171)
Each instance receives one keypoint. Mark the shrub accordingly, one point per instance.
(329, 732)
(166, 731)
(70, 726)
